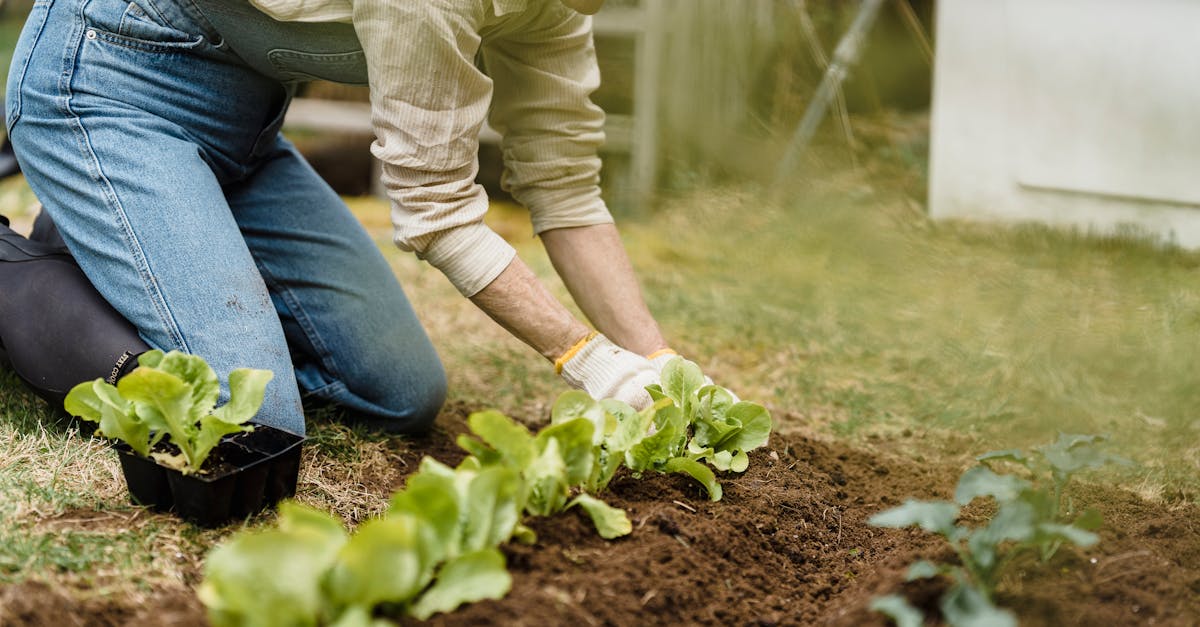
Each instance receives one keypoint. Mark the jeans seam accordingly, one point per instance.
(15, 113)
(149, 283)
(196, 15)
(324, 392)
(302, 318)
(141, 45)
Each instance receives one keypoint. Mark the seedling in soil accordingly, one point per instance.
(690, 422)
(435, 549)
(702, 423)
(554, 464)
(1051, 468)
(1028, 516)
(437, 546)
(171, 396)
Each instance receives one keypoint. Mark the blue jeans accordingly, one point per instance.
(157, 152)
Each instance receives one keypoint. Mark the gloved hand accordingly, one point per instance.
(660, 358)
(605, 370)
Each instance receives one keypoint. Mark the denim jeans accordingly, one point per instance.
(157, 152)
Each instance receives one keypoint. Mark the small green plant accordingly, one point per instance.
(172, 396)
(435, 549)
(695, 421)
(1028, 516)
(556, 463)
(437, 545)
(1051, 468)
(690, 423)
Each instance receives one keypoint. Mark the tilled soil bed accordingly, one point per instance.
(788, 545)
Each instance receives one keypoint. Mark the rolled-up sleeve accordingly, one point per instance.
(428, 102)
(545, 73)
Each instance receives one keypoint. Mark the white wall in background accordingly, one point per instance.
(1079, 112)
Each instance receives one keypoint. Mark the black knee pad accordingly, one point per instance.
(46, 232)
(55, 328)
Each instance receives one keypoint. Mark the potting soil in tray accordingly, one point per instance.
(246, 473)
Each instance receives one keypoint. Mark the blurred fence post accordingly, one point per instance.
(644, 26)
(844, 56)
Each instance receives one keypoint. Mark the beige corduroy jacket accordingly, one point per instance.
(429, 100)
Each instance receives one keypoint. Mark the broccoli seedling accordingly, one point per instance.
(1028, 516)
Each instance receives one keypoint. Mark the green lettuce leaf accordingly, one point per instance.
(247, 387)
(203, 386)
(697, 471)
(273, 577)
(681, 380)
(968, 607)
(897, 608)
(209, 435)
(1069, 533)
(511, 440)
(546, 482)
(575, 404)
(631, 426)
(654, 450)
(491, 508)
(981, 481)
(100, 402)
(359, 616)
(922, 569)
(433, 498)
(468, 578)
(610, 522)
(574, 445)
(165, 398)
(385, 561)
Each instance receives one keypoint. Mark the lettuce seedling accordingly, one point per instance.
(703, 422)
(274, 577)
(725, 430)
(171, 395)
(468, 508)
(435, 549)
(559, 460)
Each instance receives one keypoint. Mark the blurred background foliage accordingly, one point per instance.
(736, 78)
(835, 301)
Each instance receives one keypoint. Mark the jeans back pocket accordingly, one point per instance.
(31, 33)
(339, 67)
(138, 26)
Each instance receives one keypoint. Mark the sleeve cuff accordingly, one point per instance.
(558, 209)
(471, 256)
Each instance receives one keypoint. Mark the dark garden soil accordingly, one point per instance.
(788, 545)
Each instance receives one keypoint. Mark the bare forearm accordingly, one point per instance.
(519, 302)
(596, 270)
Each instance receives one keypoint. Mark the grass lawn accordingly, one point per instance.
(842, 308)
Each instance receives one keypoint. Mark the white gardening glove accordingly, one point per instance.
(660, 358)
(605, 370)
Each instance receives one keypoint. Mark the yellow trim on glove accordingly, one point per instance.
(571, 352)
(662, 351)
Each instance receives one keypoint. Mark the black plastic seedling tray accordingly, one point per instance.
(261, 468)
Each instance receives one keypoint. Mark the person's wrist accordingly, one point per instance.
(573, 351)
(605, 370)
(661, 356)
